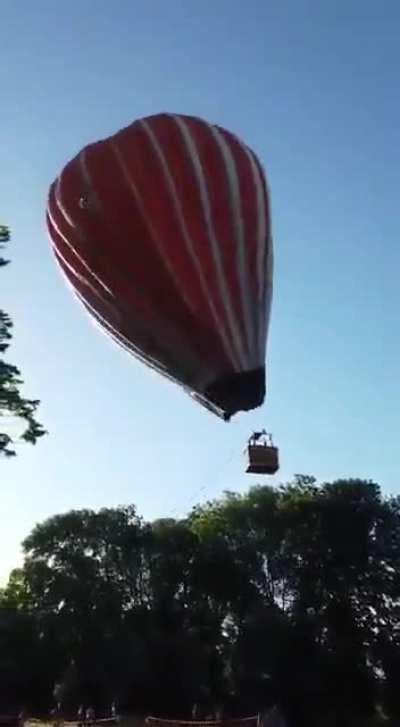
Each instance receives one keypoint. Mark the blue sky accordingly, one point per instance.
(313, 87)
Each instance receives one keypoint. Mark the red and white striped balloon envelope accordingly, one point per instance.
(163, 231)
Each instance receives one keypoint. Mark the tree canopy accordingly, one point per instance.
(13, 406)
(285, 596)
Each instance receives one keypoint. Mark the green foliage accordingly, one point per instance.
(287, 596)
(4, 238)
(13, 406)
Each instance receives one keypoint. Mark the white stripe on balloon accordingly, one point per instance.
(264, 255)
(188, 242)
(76, 253)
(206, 374)
(205, 201)
(241, 260)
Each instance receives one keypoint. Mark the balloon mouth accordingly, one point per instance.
(238, 392)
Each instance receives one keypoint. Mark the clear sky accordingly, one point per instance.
(313, 87)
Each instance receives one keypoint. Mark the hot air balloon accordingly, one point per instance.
(163, 231)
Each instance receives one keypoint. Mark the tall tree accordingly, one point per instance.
(13, 406)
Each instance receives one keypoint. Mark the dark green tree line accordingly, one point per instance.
(284, 596)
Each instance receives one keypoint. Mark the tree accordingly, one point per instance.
(24, 676)
(329, 557)
(12, 404)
